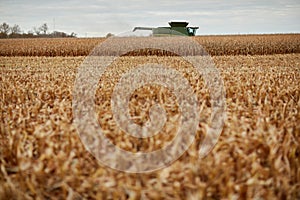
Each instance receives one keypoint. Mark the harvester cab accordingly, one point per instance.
(176, 28)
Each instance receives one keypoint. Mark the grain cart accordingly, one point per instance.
(176, 28)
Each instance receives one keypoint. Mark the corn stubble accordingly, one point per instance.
(257, 155)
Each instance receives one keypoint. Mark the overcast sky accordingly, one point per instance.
(99, 17)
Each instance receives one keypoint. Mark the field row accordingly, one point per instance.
(256, 157)
(214, 45)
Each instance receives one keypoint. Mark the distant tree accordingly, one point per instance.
(109, 35)
(73, 34)
(59, 34)
(29, 34)
(15, 29)
(36, 30)
(44, 28)
(42, 31)
(4, 28)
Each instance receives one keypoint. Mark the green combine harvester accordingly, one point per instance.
(176, 28)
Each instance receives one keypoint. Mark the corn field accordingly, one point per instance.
(257, 155)
(214, 45)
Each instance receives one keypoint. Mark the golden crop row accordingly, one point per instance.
(214, 45)
(256, 157)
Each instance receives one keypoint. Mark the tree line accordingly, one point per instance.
(7, 31)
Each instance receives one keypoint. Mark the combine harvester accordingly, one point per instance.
(176, 28)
